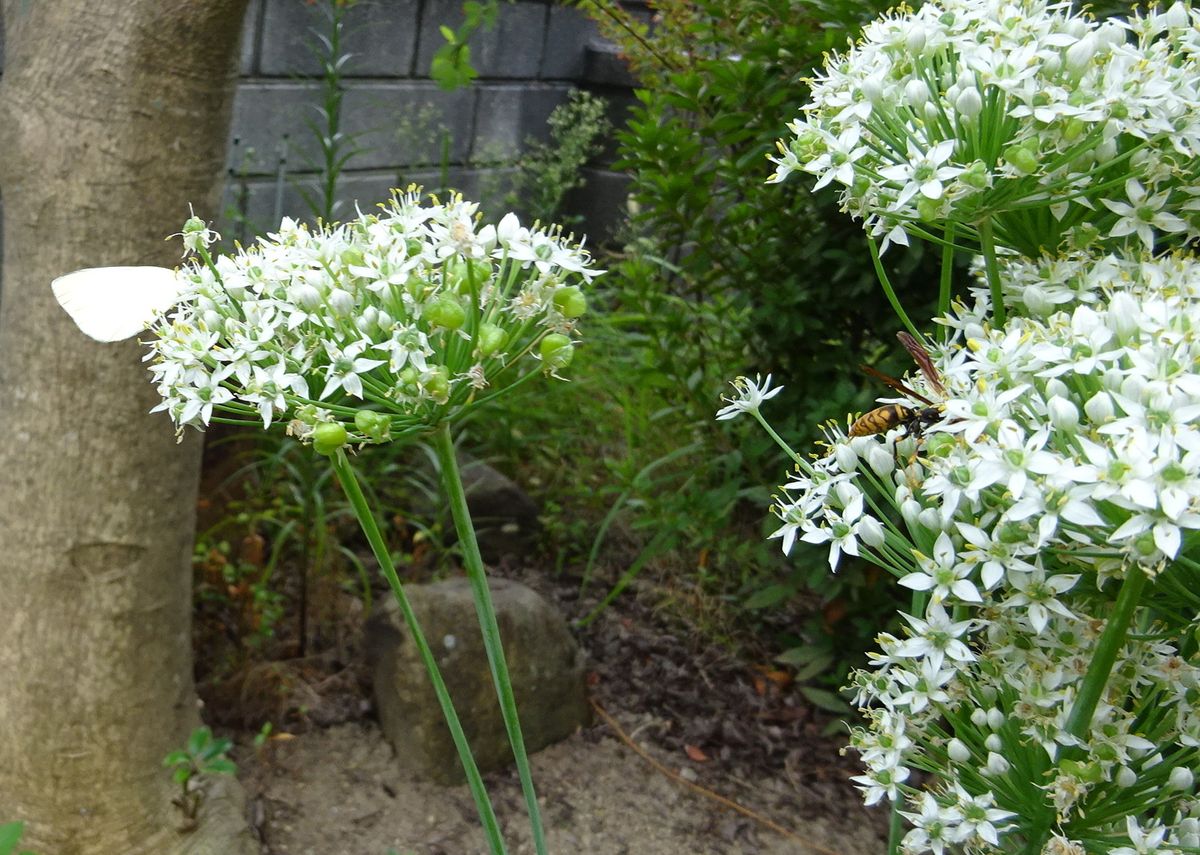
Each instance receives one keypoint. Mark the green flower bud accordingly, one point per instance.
(373, 424)
(328, 437)
(557, 351)
(1022, 159)
(352, 256)
(490, 339)
(445, 311)
(570, 301)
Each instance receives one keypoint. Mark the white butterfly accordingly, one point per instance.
(115, 303)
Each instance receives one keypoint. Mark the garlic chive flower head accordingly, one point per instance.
(1067, 459)
(1060, 131)
(384, 326)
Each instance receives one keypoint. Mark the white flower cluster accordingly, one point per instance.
(404, 314)
(1056, 130)
(1067, 457)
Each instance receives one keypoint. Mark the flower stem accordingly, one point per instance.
(944, 284)
(346, 477)
(452, 480)
(988, 248)
(886, 283)
(1105, 653)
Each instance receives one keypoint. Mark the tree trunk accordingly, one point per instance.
(113, 117)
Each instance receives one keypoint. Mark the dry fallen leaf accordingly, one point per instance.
(695, 754)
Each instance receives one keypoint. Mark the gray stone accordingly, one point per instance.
(505, 517)
(380, 35)
(546, 666)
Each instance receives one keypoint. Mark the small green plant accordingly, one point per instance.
(451, 66)
(200, 759)
(337, 147)
(10, 836)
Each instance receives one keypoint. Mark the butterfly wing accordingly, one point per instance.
(115, 303)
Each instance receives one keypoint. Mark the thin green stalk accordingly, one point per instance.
(886, 283)
(945, 282)
(1106, 651)
(444, 446)
(988, 249)
(346, 477)
(1099, 670)
(894, 827)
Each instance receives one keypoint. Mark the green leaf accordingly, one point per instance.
(825, 700)
(221, 766)
(808, 660)
(10, 835)
(182, 774)
(769, 596)
(176, 757)
(199, 740)
(447, 33)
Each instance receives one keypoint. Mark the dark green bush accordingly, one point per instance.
(722, 78)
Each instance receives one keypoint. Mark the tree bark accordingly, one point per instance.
(114, 116)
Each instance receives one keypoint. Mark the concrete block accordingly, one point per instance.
(397, 124)
(510, 50)
(409, 124)
(603, 66)
(568, 31)
(601, 204)
(507, 115)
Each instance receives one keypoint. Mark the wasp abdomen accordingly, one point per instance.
(882, 419)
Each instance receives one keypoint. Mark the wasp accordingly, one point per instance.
(914, 420)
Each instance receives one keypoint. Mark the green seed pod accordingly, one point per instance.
(460, 273)
(328, 437)
(490, 339)
(352, 256)
(557, 351)
(372, 424)
(570, 301)
(445, 311)
(1022, 159)
(437, 384)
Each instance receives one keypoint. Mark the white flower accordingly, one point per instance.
(750, 395)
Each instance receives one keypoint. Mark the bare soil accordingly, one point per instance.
(329, 784)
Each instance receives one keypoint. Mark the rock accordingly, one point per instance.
(545, 664)
(505, 517)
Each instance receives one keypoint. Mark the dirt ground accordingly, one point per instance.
(331, 784)
(340, 791)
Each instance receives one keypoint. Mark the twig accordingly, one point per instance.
(707, 793)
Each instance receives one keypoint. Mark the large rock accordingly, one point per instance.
(544, 662)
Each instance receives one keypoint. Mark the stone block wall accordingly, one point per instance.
(406, 128)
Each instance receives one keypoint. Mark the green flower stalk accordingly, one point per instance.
(389, 327)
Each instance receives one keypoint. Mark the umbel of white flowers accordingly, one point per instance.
(357, 332)
(1066, 462)
(1050, 129)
